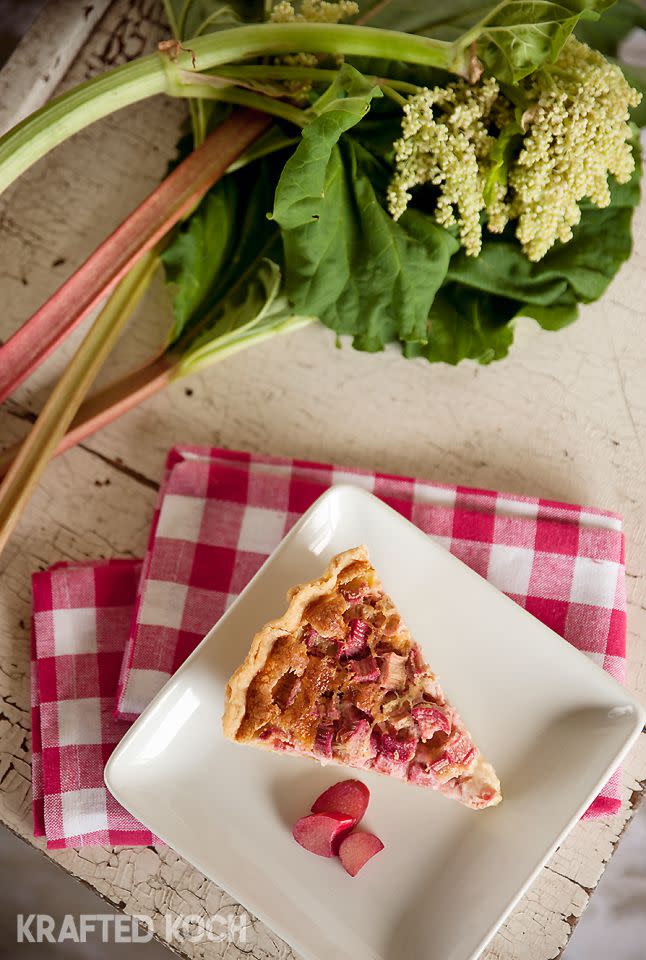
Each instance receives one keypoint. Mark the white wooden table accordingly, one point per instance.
(563, 417)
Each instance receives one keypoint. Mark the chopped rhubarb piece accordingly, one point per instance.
(357, 641)
(350, 797)
(440, 764)
(277, 737)
(322, 833)
(421, 774)
(310, 636)
(392, 625)
(355, 590)
(323, 740)
(328, 709)
(356, 849)
(351, 717)
(365, 670)
(286, 689)
(394, 754)
(458, 748)
(393, 671)
(415, 662)
(357, 747)
(391, 767)
(398, 747)
(430, 719)
(400, 719)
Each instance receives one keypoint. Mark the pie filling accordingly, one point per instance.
(350, 685)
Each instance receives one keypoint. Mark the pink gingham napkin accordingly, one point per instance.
(104, 637)
(221, 513)
(81, 621)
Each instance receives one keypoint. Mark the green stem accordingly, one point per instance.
(279, 72)
(78, 108)
(393, 95)
(235, 342)
(206, 88)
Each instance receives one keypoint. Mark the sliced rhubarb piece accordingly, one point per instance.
(323, 740)
(355, 591)
(311, 637)
(458, 747)
(400, 718)
(322, 833)
(357, 748)
(286, 689)
(394, 754)
(328, 709)
(393, 671)
(356, 849)
(430, 720)
(400, 748)
(421, 774)
(276, 737)
(350, 797)
(365, 670)
(357, 642)
(416, 664)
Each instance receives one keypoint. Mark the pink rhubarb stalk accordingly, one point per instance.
(36, 450)
(167, 204)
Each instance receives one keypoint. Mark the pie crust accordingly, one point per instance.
(339, 678)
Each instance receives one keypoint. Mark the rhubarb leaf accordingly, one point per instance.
(200, 248)
(253, 311)
(356, 268)
(466, 324)
(191, 18)
(222, 241)
(301, 191)
(346, 259)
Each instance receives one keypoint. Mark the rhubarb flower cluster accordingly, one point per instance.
(579, 133)
(445, 141)
(576, 132)
(311, 11)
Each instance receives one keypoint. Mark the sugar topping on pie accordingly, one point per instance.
(340, 679)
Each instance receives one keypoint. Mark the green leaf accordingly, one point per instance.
(346, 260)
(251, 313)
(220, 244)
(513, 37)
(520, 35)
(555, 317)
(349, 262)
(301, 189)
(190, 18)
(503, 151)
(198, 251)
(465, 324)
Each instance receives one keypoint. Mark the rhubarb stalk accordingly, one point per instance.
(125, 394)
(65, 399)
(154, 74)
(167, 204)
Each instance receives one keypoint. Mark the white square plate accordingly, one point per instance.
(552, 722)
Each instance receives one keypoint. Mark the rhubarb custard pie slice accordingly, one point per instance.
(339, 678)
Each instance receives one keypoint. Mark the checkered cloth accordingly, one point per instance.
(220, 513)
(81, 621)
